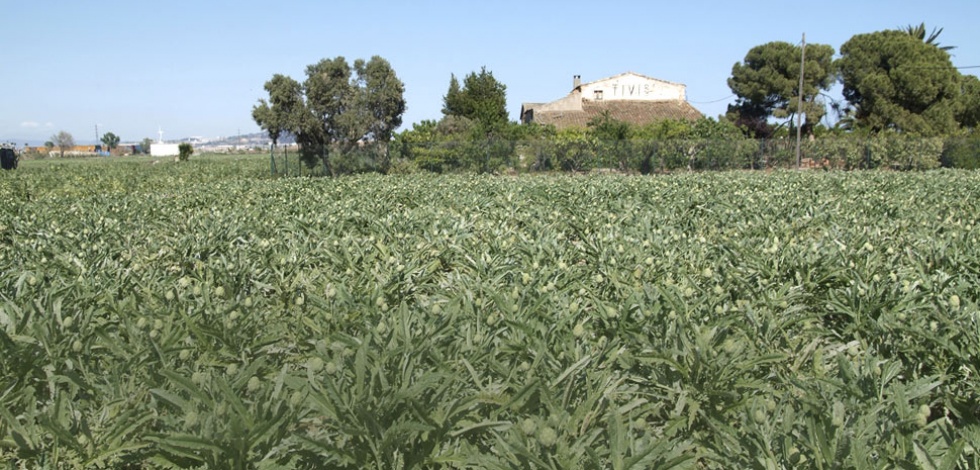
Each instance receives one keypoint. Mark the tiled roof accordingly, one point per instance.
(633, 112)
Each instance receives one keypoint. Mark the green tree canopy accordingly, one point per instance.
(110, 140)
(767, 85)
(664, 129)
(451, 105)
(284, 110)
(328, 92)
(482, 99)
(712, 129)
(337, 106)
(895, 81)
(436, 145)
(382, 97)
(607, 129)
(968, 106)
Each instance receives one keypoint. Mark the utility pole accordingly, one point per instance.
(799, 105)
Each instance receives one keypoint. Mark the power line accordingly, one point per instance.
(936, 67)
(712, 101)
(733, 95)
(940, 67)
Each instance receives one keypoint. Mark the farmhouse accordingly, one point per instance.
(628, 97)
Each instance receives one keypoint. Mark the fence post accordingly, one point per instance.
(486, 161)
(762, 153)
(654, 157)
(867, 154)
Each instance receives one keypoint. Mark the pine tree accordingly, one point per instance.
(451, 102)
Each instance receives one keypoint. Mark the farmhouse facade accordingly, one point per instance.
(628, 97)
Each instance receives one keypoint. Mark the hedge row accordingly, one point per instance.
(655, 156)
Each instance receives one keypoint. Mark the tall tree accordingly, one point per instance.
(285, 109)
(64, 141)
(337, 107)
(919, 32)
(450, 102)
(382, 96)
(767, 85)
(110, 140)
(329, 94)
(482, 99)
(894, 81)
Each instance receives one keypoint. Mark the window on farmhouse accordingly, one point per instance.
(598, 95)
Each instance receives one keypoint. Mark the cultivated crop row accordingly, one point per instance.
(186, 316)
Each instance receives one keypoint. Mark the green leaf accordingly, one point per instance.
(922, 457)
(172, 398)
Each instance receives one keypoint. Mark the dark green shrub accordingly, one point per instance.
(962, 153)
(185, 150)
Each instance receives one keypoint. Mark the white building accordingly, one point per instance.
(163, 150)
(628, 97)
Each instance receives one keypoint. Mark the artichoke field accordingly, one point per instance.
(202, 315)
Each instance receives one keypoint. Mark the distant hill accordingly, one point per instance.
(255, 139)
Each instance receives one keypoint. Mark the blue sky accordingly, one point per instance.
(197, 68)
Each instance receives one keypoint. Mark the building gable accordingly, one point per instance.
(632, 86)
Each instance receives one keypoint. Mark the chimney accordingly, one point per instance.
(576, 81)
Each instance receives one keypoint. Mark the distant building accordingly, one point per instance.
(163, 150)
(628, 97)
(74, 151)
